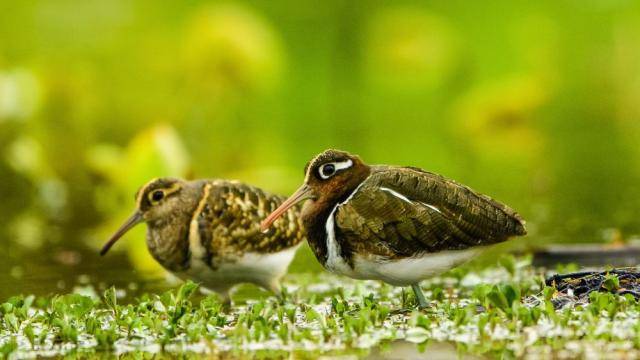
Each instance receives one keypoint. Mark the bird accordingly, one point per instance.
(208, 231)
(396, 224)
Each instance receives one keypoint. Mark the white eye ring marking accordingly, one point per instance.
(337, 166)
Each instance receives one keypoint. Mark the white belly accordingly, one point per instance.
(409, 271)
(264, 270)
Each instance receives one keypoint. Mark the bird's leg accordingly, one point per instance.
(280, 292)
(225, 299)
(422, 302)
(274, 287)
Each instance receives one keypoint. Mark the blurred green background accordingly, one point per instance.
(534, 103)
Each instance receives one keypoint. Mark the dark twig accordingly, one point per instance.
(576, 287)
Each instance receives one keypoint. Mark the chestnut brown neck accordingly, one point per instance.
(316, 212)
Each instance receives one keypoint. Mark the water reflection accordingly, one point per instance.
(402, 350)
(397, 350)
(66, 271)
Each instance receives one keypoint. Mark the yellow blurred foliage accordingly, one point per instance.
(154, 152)
(230, 47)
(410, 46)
(20, 94)
(499, 119)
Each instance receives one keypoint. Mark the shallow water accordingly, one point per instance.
(44, 275)
(396, 350)
(325, 316)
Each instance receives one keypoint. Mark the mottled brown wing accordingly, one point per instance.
(231, 217)
(398, 212)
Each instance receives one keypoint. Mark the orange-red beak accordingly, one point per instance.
(303, 193)
(133, 220)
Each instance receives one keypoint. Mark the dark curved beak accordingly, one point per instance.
(303, 193)
(132, 221)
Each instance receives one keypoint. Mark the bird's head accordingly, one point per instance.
(156, 200)
(328, 177)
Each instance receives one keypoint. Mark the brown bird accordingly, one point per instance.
(208, 231)
(395, 224)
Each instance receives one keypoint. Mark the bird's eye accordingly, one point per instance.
(157, 195)
(327, 170)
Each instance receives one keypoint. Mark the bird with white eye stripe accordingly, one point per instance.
(391, 223)
(208, 231)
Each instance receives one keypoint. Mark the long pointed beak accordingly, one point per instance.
(132, 221)
(303, 193)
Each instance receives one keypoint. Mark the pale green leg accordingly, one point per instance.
(422, 302)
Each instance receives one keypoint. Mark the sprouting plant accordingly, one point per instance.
(8, 348)
(611, 282)
(495, 316)
(504, 297)
(111, 300)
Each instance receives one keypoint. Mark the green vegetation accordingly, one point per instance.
(503, 311)
(533, 103)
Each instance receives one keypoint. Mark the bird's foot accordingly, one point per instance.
(402, 311)
(409, 309)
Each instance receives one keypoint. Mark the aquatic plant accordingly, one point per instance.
(502, 311)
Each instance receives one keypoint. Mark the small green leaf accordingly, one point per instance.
(611, 282)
